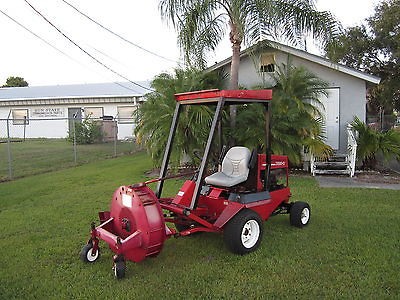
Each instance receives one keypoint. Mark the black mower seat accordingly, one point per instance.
(235, 168)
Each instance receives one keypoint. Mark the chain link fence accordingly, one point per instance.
(34, 146)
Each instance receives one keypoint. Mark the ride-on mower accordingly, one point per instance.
(234, 201)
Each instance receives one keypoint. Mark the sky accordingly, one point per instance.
(22, 54)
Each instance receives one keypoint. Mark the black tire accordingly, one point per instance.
(86, 254)
(181, 227)
(243, 233)
(119, 269)
(300, 214)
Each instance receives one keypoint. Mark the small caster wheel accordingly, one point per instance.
(87, 254)
(119, 269)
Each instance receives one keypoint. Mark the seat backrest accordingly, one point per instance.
(236, 162)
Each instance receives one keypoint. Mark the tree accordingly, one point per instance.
(296, 120)
(155, 115)
(202, 24)
(374, 47)
(371, 142)
(15, 82)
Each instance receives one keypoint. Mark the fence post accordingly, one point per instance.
(74, 142)
(25, 121)
(115, 138)
(10, 171)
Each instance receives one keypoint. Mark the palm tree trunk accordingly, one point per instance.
(234, 83)
(236, 41)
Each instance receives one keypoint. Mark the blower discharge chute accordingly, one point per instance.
(234, 201)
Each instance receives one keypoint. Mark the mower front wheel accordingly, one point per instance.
(87, 254)
(300, 213)
(244, 232)
(119, 269)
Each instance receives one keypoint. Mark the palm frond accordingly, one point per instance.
(155, 115)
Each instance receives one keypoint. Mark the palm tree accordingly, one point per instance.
(155, 115)
(202, 24)
(296, 121)
(371, 142)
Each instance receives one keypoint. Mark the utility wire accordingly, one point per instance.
(55, 48)
(87, 53)
(116, 34)
(42, 39)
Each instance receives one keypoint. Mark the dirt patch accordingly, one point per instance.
(377, 177)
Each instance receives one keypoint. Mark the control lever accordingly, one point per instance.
(221, 157)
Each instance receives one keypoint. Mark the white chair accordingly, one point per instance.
(235, 168)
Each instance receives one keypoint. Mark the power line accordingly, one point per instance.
(117, 35)
(87, 53)
(55, 48)
(42, 39)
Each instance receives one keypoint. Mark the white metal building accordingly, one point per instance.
(49, 111)
(347, 87)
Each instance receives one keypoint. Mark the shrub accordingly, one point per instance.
(86, 132)
(370, 142)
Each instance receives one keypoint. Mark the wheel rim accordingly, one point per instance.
(90, 257)
(250, 233)
(305, 216)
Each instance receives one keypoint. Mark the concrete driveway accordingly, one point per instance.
(356, 182)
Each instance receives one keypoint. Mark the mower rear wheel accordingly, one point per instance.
(119, 269)
(244, 232)
(300, 214)
(87, 255)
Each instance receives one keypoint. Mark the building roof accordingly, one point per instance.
(305, 55)
(90, 90)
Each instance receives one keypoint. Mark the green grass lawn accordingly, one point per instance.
(349, 250)
(35, 156)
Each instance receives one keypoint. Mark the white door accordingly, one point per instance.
(330, 113)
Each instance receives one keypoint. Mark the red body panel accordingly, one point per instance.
(277, 162)
(266, 208)
(185, 194)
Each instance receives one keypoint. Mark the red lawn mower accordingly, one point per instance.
(235, 201)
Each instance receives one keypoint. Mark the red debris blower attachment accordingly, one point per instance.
(235, 201)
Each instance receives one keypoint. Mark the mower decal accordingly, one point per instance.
(127, 200)
(180, 193)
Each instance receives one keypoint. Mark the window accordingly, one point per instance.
(94, 112)
(20, 117)
(267, 64)
(125, 114)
